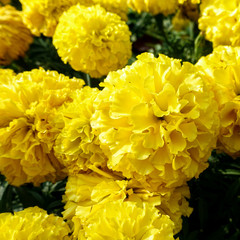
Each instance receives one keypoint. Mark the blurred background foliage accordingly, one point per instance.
(215, 195)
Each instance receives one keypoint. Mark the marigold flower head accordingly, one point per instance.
(89, 189)
(220, 21)
(92, 40)
(28, 125)
(157, 120)
(33, 223)
(77, 145)
(15, 38)
(123, 220)
(154, 6)
(41, 16)
(223, 66)
(119, 7)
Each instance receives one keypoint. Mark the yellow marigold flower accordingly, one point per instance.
(15, 38)
(77, 145)
(92, 40)
(154, 6)
(157, 120)
(119, 7)
(90, 189)
(28, 125)
(41, 16)
(220, 21)
(123, 220)
(33, 223)
(223, 65)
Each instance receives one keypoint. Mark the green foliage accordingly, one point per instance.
(215, 197)
(47, 196)
(157, 35)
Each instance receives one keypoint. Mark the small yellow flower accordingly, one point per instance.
(33, 223)
(157, 120)
(28, 125)
(223, 68)
(220, 21)
(92, 40)
(15, 38)
(154, 6)
(123, 220)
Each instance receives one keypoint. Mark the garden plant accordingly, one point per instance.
(120, 119)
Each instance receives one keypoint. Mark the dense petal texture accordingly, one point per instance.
(15, 38)
(220, 21)
(31, 224)
(154, 6)
(90, 189)
(92, 40)
(28, 125)
(6, 76)
(42, 16)
(157, 120)
(223, 66)
(123, 220)
(119, 7)
(77, 145)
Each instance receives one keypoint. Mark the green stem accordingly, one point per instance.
(88, 80)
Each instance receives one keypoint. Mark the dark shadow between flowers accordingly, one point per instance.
(215, 197)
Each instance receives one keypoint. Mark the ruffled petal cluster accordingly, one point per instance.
(157, 120)
(6, 76)
(77, 145)
(220, 21)
(123, 220)
(154, 6)
(42, 16)
(223, 66)
(87, 190)
(92, 40)
(119, 7)
(15, 38)
(28, 125)
(33, 223)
